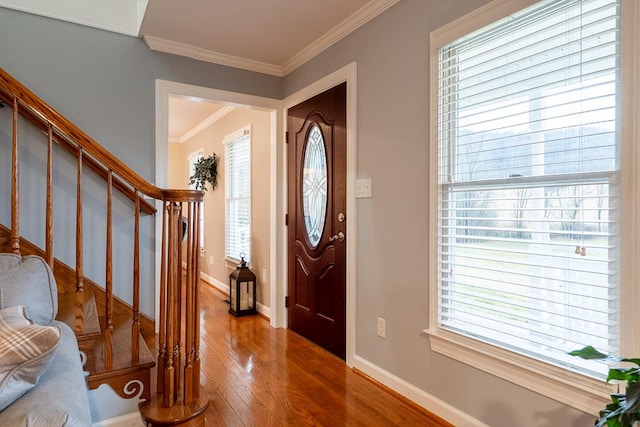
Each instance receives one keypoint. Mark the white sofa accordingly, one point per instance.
(56, 396)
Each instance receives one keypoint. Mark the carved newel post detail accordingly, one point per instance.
(177, 401)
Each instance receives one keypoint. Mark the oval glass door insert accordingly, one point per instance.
(314, 185)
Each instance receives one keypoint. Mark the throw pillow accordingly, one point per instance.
(26, 350)
(28, 281)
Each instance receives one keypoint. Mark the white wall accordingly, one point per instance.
(210, 140)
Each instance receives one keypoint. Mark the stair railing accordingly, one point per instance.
(178, 359)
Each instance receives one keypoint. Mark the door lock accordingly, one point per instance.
(340, 217)
(340, 236)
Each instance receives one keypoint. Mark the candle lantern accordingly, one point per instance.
(242, 290)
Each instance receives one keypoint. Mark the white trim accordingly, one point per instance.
(575, 390)
(337, 33)
(204, 124)
(422, 398)
(201, 54)
(243, 131)
(578, 391)
(215, 283)
(347, 74)
(164, 89)
(476, 19)
(119, 25)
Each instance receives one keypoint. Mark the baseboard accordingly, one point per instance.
(262, 309)
(127, 420)
(417, 395)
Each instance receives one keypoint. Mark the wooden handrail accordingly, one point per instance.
(178, 356)
(48, 114)
(68, 144)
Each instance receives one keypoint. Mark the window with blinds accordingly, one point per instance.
(528, 176)
(238, 197)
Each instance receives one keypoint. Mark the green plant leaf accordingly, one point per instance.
(632, 360)
(624, 374)
(205, 171)
(588, 353)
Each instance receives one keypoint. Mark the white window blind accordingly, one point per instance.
(238, 197)
(528, 175)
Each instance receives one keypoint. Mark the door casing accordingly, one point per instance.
(278, 192)
(346, 74)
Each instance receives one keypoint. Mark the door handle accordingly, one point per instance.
(340, 236)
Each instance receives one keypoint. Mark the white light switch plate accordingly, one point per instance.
(363, 188)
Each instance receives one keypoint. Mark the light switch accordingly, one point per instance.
(363, 188)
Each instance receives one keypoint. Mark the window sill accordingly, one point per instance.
(578, 391)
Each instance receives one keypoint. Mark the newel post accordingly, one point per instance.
(178, 401)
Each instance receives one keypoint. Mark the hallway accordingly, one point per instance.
(259, 376)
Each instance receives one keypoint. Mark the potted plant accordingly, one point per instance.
(205, 171)
(624, 409)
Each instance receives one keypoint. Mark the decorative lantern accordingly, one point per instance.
(242, 290)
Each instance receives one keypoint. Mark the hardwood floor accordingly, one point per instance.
(259, 376)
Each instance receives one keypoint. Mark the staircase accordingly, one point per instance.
(109, 330)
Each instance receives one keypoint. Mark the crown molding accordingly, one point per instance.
(194, 52)
(203, 124)
(346, 27)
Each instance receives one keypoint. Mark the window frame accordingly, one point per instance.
(576, 390)
(230, 139)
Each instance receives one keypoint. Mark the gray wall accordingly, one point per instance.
(392, 55)
(105, 83)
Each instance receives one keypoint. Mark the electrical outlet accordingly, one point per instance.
(211, 259)
(382, 327)
(264, 275)
(363, 188)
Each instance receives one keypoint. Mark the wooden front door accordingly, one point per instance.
(317, 165)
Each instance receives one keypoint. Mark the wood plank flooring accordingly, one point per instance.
(259, 376)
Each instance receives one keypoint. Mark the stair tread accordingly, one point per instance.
(122, 362)
(67, 314)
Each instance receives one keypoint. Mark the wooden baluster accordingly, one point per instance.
(162, 344)
(178, 301)
(170, 392)
(135, 326)
(79, 248)
(188, 364)
(196, 303)
(49, 204)
(108, 333)
(14, 237)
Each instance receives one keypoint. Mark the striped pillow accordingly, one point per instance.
(26, 350)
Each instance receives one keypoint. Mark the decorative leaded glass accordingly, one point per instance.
(314, 185)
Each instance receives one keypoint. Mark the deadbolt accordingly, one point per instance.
(340, 217)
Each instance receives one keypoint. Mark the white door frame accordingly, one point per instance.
(346, 74)
(278, 182)
(165, 89)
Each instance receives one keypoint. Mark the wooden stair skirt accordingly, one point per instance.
(128, 375)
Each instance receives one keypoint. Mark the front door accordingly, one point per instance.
(317, 164)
